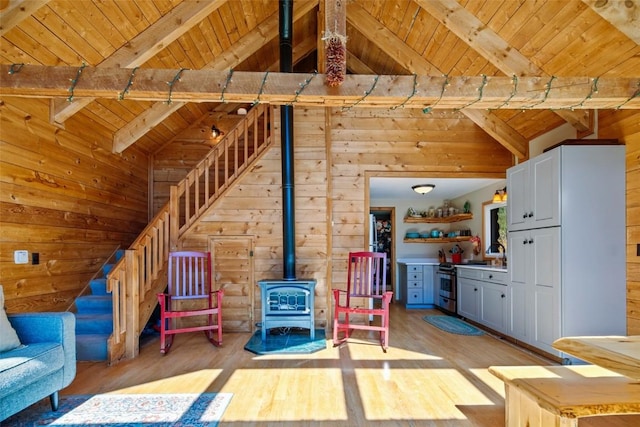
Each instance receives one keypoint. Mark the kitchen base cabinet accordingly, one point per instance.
(493, 306)
(417, 286)
(482, 296)
(469, 298)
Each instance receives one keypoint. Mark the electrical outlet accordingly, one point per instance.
(21, 257)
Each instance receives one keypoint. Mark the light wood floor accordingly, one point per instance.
(427, 378)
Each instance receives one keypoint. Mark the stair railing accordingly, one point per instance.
(136, 279)
(225, 163)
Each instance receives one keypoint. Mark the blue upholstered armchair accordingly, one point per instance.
(43, 364)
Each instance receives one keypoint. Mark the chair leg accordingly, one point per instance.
(166, 340)
(53, 399)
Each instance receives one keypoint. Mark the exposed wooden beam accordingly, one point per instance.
(491, 46)
(17, 10)
(411, 60)
(500, 131)
(145, 46)
(380, 91)
(622, 14)
(231, 57)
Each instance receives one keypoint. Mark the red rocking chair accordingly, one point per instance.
(189, 294)
(366, 284)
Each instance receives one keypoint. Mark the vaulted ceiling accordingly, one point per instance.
(454, 38)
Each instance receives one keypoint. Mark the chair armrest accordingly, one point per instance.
(50, 327)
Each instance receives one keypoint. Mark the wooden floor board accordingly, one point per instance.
(427, 378)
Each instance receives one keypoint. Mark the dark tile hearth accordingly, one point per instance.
(293, 341)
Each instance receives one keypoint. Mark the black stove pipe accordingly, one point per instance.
(286, 146)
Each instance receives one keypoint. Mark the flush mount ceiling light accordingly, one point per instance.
(423, 188)
(215, 132)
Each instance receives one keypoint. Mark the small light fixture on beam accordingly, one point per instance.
(215, 132)
(423, 188)
(500, 195)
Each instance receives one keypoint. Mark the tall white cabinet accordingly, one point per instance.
(566, 245)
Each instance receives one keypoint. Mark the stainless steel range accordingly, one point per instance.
(447, 287)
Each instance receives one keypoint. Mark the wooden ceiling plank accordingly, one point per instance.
(380, 35)
(147, 44)
(491, 46)
(413, 62)
(231, 57)
(17, 11)
(624, 15)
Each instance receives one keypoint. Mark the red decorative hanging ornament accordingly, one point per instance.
(336, 58)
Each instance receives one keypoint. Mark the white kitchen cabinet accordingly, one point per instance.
(418, 286)
(493, 306)
(482, 296)
(566, 256)
(468, 298)
(534, 193)
(535, 286)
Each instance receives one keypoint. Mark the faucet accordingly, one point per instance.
(504, 252)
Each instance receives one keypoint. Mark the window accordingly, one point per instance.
(494, 229)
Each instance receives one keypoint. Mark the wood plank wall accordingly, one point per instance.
(330, 172)
(625, 125)
(64, 195)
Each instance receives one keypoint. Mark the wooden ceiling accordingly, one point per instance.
(546, 38)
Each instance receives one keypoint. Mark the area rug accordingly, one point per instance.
(287, 341)
(452, 325)
(126, 410)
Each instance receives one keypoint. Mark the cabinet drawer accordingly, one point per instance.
(414, 284)
(484, 275)
(495, 276)
(470, 273)
(414, 276)
(414, 297)
(414, 269)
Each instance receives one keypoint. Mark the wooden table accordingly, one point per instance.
(543, 396)
(616, 353)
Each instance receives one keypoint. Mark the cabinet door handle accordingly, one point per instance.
(525, 241)
(491, 276)
(524, 215)
(502, 296)
(530, 241)
(475, 289)
(530, 214)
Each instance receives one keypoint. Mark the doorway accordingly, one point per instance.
(382, 230)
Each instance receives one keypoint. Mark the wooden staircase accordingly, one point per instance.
(139, 275)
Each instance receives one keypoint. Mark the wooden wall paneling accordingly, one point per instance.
(78, 201)
(625, 125)
(253, 208)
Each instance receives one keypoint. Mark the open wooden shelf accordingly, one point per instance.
(440, 220)
(438, 239)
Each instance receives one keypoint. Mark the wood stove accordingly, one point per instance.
(287, 303)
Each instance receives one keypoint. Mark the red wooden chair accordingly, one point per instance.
(189, 294)
(366, 285)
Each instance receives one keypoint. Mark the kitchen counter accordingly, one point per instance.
(434, 261)
(418, 261)
(482, 267)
